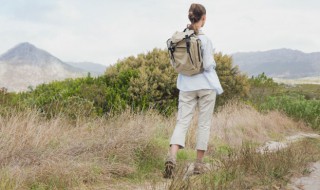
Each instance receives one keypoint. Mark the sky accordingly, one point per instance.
(104, 31)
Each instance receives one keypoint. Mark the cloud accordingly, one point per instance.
(104, 31)
(33, 11)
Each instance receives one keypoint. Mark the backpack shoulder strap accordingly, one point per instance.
(188, 31)
(192, 32)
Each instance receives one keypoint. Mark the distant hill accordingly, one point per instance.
(94, 68)
(26, 65)
(280, 63)
(305, 80)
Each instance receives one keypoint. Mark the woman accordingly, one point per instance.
(201, 90)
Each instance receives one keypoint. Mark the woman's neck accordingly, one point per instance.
(197, 25)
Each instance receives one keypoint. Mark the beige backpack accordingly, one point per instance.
(185, 52)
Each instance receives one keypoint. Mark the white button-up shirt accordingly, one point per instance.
(207, 79)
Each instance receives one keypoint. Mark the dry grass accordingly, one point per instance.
(245, 168)
(56, 154)
(238, 123)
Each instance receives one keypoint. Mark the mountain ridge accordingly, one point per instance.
(26, 65)
(27, 53)
(282, 63)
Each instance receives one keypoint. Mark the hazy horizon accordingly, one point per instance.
(103, 32)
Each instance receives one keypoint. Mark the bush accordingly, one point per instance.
(234, 84)
(73, 97)
(5, 98)
(262, 81)
(147, 81)
(262, 87)
(10, 101)
(143, 82)
(296, 106)
(71, 107)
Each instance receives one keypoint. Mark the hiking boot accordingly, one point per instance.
(199, 167)
(169, 165)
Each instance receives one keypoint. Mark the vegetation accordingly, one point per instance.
(145, 82)
(309, 91)
(296, 106)
(87, 132)
(129, 148)
(245, 168)
(297, 102)
(148, 81)
(56, 154)
(261, 87)
(234, 84)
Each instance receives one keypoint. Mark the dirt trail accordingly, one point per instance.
(310, 182)
(272, 146)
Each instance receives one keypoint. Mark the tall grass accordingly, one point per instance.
(245, 168)
(237, 124)
(58, 153)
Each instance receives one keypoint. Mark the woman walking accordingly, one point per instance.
(196, 90)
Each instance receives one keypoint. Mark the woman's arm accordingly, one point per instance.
(208, 52)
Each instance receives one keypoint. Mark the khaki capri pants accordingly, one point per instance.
(188, 101)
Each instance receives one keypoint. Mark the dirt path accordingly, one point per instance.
(272, 146)
(310, 182)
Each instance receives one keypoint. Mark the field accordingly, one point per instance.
(113, 131)
(129, 150)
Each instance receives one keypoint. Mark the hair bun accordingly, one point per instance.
(192, 17)
(196, 11)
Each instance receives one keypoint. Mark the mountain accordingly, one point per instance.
(27, 54)
(26, 65)
(280, 63)
(94, 68)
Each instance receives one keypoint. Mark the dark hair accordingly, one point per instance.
(196, 11)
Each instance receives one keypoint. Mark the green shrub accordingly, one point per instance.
(143, 82)
(261, 87)
(5, 100)
(262, 81)
(138, 83)
(72, 97)
(149, 81)
(295, 106)
(234, 84)
(10, 102)
(71, 107)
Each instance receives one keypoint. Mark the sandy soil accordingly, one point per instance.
(310, 182)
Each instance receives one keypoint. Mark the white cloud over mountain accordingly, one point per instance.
(104, 31)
